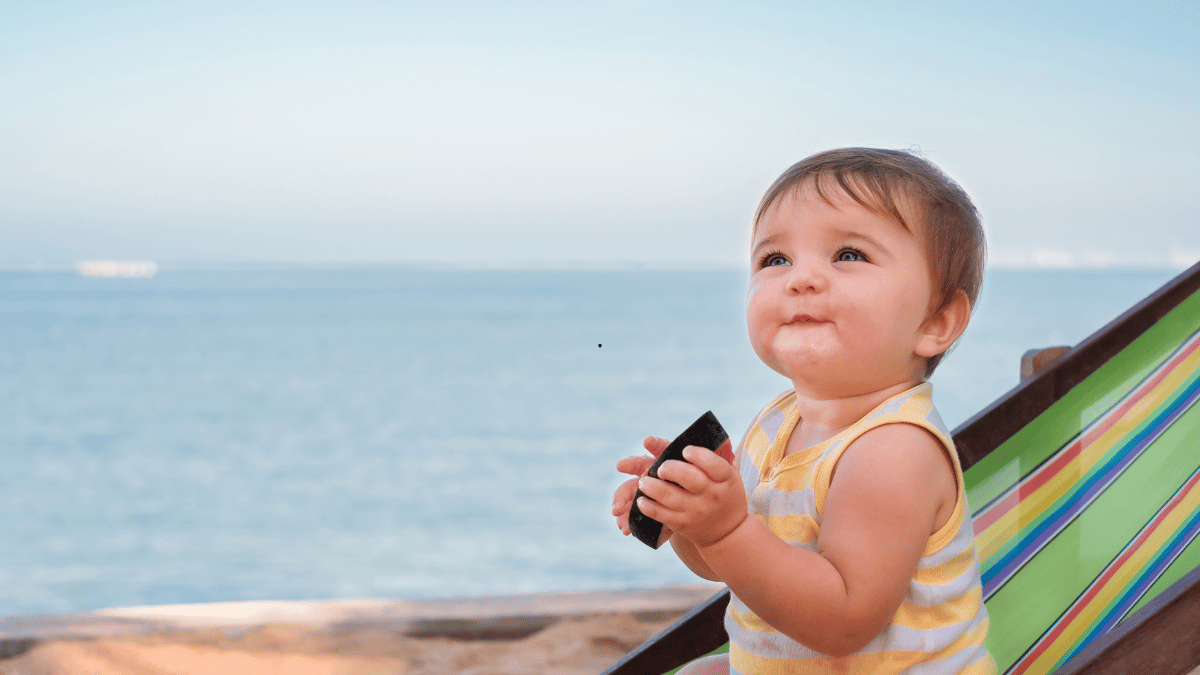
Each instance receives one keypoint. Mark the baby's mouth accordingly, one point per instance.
(805, 318)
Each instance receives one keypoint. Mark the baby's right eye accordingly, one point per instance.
(773, 259)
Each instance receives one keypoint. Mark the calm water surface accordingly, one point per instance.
(390, 432)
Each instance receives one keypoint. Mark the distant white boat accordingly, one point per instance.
(116, 268)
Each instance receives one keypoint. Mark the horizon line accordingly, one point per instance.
(1010, 264)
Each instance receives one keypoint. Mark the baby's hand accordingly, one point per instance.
(707, 501)
(636, 466)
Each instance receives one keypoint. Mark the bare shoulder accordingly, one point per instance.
(903, 443)
(899, 458)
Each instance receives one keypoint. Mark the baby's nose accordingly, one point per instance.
(806, 277)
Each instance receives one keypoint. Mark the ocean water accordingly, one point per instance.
(391, 432)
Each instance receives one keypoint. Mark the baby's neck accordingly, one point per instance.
(823, 418)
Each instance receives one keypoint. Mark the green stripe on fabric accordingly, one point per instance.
(1047, 585)
(1025, 607)
(1081, 406)
(1121, 447)
(1182, 439)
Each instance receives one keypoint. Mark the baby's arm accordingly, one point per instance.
(891, 489)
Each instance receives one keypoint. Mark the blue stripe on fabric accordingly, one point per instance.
(1142, 583)
(1002, 570)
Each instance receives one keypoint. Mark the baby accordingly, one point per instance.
(841, 526)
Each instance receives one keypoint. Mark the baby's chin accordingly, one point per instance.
(828, 378)
(794, 358)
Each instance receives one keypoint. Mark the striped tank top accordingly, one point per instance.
(941, 623)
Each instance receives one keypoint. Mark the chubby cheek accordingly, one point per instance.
(871, 320)
(753, 291)
(754, 324)
(883, 330)
(760, 323)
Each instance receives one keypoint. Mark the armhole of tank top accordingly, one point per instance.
(947, 531)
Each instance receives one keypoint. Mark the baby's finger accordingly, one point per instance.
(622, 502)
(655, 445)
(684, 475)
(660, 491)
(623, 496)
(717, 468)
(654, 510)
(635, 466)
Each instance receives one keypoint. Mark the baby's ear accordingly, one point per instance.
(944, 326)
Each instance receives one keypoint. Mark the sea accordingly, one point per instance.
(295, 433)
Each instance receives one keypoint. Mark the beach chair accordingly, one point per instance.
(1084, 483)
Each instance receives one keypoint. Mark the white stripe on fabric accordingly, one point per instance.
(774, 501)
(769, 645)
(935, 418)
(955, 663)
(904, 639)
(931, 640)
(737, 604)
(771, 422)
(963, 539)
(750, 473)
(926, 595)
(893, 405)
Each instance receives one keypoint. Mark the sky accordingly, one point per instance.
(579, 133)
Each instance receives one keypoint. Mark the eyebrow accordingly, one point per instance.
(845, 235)
(765, 242)
(871, 241)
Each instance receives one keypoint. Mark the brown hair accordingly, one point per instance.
(891, 184)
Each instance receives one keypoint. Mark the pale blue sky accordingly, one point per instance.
(626, 130)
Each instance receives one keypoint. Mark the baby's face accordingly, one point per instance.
(838, 296)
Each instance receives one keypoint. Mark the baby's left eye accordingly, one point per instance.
(849, 255)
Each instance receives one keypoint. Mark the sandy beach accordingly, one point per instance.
(561, 633)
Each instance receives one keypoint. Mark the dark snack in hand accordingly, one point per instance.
(705, 432)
